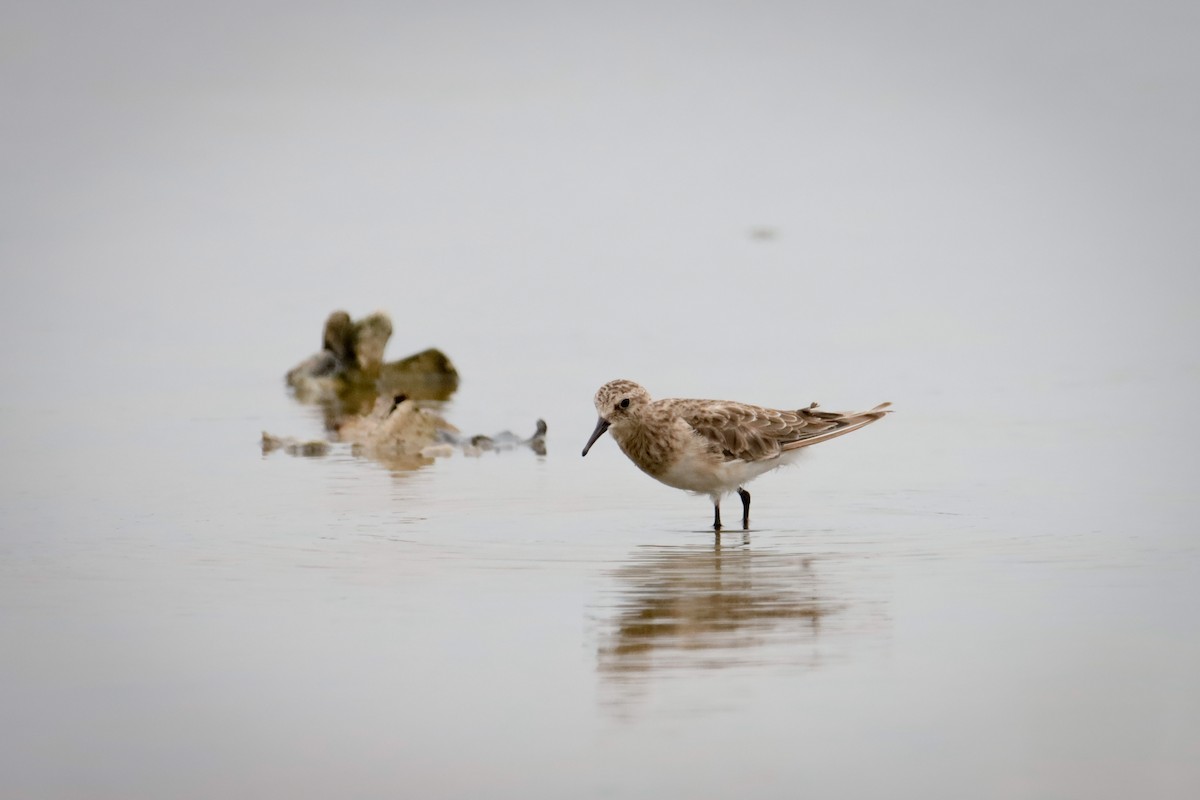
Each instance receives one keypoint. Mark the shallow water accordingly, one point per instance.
(990, 593)
(196, 618)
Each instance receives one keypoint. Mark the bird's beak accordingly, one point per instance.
(601, 427)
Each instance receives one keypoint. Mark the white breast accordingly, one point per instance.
(698, 472)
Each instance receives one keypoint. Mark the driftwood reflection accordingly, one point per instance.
(708, 606)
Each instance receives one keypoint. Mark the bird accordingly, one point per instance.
(713, 447)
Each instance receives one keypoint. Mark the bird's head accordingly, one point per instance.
(617, 404)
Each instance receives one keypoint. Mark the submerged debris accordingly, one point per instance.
(313, 448)
(373, 406)
(396, 431)
(505, 440)
(400, 434)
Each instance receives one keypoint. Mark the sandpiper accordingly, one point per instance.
(713, 447)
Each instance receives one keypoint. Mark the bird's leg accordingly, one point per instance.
(742, 493)
(717, 517)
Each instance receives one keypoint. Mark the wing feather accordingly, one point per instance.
(741, 432)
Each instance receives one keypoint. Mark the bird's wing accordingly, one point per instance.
(741, 432)
(835, 424)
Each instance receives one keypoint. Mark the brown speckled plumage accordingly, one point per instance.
(713, 446)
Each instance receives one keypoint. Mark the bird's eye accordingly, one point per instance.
(625, 403)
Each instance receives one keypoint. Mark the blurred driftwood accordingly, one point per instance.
(349, 374)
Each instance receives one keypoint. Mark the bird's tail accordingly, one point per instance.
(832, 424)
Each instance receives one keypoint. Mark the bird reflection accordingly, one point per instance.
(707, 607)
